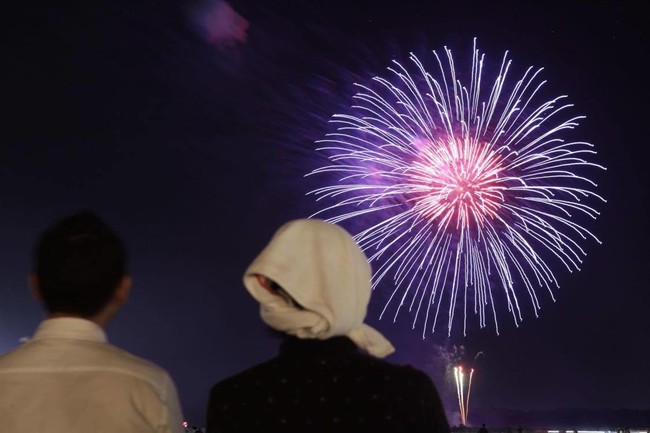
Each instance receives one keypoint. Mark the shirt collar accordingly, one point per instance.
(70, 328)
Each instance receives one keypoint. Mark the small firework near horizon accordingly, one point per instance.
(463, 392)
(461, 191)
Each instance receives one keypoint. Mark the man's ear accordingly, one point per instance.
(34, 286)
(123, 290)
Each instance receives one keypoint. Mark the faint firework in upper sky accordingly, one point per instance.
(220, 24)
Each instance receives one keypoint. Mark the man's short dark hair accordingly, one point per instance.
(79, 261)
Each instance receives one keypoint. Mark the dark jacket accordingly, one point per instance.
(326, 386)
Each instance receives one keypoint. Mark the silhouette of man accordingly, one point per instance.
(483, 429)
(67, 378)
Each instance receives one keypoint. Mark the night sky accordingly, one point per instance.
(193, 144)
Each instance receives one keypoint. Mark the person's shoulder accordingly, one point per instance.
(414, 374)
(133, 361)
(7, 358)
(414, 378)
(404, 371)
(250, 377)
(122, 361)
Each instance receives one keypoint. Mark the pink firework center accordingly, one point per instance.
(461, 182)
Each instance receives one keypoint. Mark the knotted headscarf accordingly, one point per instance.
(321, 267)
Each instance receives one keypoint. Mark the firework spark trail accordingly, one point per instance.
(469, 388)
(463, 401)
(459, 385)
(461, 191)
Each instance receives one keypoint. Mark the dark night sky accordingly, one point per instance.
(195, 153)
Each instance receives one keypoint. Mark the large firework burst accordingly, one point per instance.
(462, 192)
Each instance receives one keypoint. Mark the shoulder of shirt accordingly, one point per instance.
(99, 356)
(127, 363)
(246, 375)
(406, 374)
(381, 364)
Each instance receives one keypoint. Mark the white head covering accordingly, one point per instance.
(321, 267)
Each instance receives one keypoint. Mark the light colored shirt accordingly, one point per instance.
(68, 379)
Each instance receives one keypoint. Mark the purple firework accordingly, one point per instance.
(462, 192)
